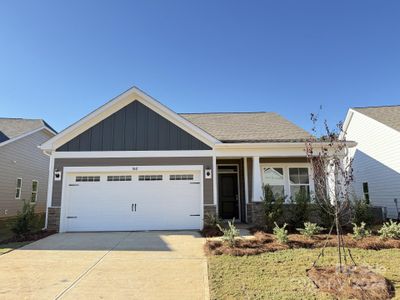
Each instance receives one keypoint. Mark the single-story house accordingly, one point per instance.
(134, 164)
(24, 168)
(376, 158)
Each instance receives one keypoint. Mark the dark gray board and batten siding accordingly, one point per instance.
(134, 128)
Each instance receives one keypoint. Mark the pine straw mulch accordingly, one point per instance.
(265, 242)
(352, 283)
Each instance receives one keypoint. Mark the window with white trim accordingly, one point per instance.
(287, 179)
(119, 178)
(181, 177)
(299, 181)
(150, 177)
(87, 178)
(276, 181)
(34, 194)
(18, 189)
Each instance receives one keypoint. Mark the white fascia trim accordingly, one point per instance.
(274, 145)
(116, 104)
(27, 134)
(132, 168)
(110, 154)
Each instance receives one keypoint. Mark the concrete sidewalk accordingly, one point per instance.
(131, 265)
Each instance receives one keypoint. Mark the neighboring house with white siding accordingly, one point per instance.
(24, 167)
(377, 155)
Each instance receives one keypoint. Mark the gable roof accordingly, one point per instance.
(248, 127)
(115, 104)
(13, 128)
(388, 115)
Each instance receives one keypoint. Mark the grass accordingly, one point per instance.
(282, 274)
(4, 248)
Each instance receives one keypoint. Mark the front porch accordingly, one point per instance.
(238, 184)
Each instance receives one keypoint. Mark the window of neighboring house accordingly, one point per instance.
(35, 186)
(366, 191)
(275, 179)
(18, 188)
(299, 181)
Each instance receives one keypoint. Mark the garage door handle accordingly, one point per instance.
(72, 217)
(195, 182)
(195, 215)
(133, 207)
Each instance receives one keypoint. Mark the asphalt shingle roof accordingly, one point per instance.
(13, 127)
(248, 127)
(388, 115)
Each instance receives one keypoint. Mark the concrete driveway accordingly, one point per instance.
(112, 265)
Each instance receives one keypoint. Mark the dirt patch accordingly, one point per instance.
(30, 237)
(265, 242)
(352, 283)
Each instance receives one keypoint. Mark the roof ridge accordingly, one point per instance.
(226, 113)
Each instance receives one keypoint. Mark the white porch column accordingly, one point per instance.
(246, 180)
(215, 183)
(257, 182)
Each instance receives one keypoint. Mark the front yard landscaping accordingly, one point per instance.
(282, 274)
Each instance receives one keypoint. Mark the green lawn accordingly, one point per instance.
(281, 274)
(4, 248)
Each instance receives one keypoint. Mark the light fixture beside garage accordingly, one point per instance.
(208, 173)
(57, 175)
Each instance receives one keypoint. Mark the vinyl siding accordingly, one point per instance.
(134, 128)
(376, 160)
(25, 160)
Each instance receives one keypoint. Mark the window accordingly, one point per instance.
(275, 179)
(18, 188)
(181, 177)
(87, 178)
(366, 191)
(119, 178)
(299, 181)
(150, 177)
(35, 186)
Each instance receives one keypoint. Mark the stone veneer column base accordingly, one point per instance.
(210, 210)
(255, 213)
(53, 218)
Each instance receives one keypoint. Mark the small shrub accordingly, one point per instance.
(300, 208)
(360, 232)
(310, 229)
(281, 233)
(390, 230)
(273, 206)
(211, 220)
(26, 221)
(361, 212)
(230, 233)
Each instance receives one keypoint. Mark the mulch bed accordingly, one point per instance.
(211, 231)
(265, 242)
(30, 237)
(352, 283)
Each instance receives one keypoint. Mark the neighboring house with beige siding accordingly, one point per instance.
(376, 158)
(134, 164)
(23, 166)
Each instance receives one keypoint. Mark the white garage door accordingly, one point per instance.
(119, 201)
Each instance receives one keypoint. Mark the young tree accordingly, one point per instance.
(333, 175)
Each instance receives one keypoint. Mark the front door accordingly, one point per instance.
(228, 196)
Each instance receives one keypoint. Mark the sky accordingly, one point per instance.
(60, 60)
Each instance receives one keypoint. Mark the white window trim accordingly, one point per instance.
(20, 189)
(34, 192)
(286, 167)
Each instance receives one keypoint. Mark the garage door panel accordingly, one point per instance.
(135, 204)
